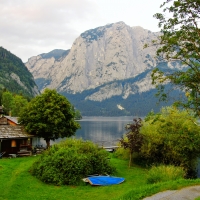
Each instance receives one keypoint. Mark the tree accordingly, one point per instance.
(171, 137)
(78, 115)
(7, 102)
(180, 41)
(133, 139)
(19, 102)
(49, 116)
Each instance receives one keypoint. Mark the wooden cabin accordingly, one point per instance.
(8, 120)
(14, 140)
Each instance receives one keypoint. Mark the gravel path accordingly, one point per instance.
(188, 193)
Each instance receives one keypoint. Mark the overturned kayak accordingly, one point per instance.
(104, 180)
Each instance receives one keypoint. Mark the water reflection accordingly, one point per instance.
(102, 130)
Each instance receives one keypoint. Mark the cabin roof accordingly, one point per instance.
(13, 119)
(11, 132)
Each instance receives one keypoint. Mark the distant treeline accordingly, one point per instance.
(135, 105)
(13, 103)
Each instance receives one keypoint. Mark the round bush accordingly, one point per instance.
(71, 160)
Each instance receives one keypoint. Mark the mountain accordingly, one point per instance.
(106, 71)
(56, 53)
(14, 76)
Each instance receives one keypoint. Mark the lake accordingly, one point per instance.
(104, 131)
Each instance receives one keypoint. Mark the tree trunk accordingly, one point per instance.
(130, 160)
(48, 143)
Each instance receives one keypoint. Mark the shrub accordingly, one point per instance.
(164, 173)
(172, 137)
(68, 162)
(122, 153)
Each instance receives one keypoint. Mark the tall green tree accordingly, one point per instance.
(49, 116)
(180, 41)
(7, 102)
(19, 102)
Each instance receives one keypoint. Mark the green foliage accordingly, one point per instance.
(122, 153)
(50, 116)
(180, 41)
(171, 137)
(164, 173)
(78, 115)
(12, 103)
(7, 102)
(133, 139)
(16, 179)
(70, 161)
(19, 102)
(12, 68)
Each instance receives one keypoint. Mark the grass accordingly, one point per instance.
(150, 189)
(165, 173)
(16, 183)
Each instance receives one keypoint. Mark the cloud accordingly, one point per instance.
(32, 27)
(41, 25)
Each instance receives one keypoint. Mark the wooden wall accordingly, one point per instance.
(6, 145)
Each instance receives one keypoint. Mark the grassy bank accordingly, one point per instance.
(17, 183)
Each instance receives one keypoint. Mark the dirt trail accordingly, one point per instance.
(188, 193)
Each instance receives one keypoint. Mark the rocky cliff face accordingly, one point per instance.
(98, 56)
(106, 61)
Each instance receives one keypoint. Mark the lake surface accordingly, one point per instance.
(104, 131)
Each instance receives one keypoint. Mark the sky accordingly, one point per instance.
(31, 27)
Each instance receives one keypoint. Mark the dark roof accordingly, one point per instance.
(9, 132)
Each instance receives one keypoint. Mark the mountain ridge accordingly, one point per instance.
(97, 62)
(98, 56)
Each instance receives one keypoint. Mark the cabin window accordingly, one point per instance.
(13, 143)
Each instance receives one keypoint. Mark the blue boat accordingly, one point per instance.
(104, 180)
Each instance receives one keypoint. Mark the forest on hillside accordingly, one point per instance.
(11, 69)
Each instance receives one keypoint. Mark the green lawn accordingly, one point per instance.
(16, 183)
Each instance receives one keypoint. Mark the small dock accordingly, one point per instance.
(111, 148)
